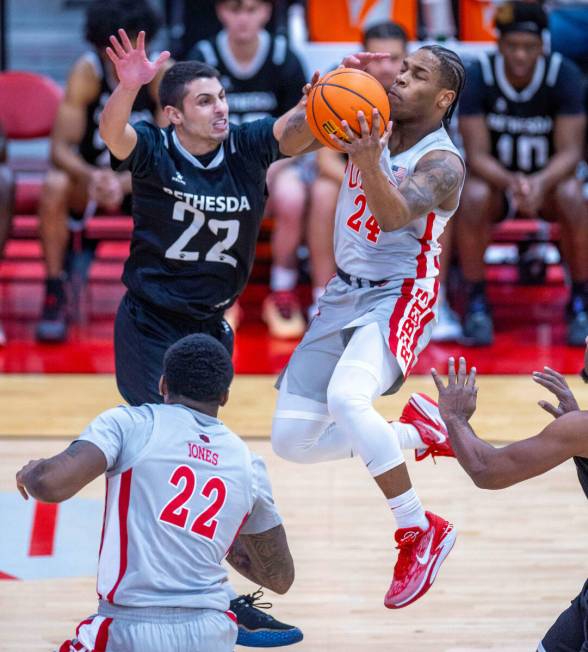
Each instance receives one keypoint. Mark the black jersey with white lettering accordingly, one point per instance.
(92, 148)
(582, 469)
(269, 86)
(196, 226)
(521, 122)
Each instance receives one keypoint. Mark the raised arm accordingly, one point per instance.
(62, 476)
(264, 559)
(133, 70)
(496, 468)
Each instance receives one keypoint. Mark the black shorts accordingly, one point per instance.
(141, 337)
(569, 633)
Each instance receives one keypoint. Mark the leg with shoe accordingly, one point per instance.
(480, 207)
(59, 196)
(314, 422)
(281, 309)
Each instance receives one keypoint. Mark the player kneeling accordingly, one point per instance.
(182, 492)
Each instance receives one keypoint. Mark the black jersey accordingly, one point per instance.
(196, 226)
(582, 469)
(92, 148)
(521, 123)
(271, 85)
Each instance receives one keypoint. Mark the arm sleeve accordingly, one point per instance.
(140, 161)
(292, 79)
(264, 515)
(568, 89)
(257, 142)
(121, 434)
(471, 100)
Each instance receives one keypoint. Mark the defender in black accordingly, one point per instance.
(496, 468)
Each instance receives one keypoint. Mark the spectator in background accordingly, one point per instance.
(522, 120)
(80, 180)
(386, 37)
(263, 77)
(6, 204)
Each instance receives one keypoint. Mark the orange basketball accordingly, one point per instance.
(339, 95)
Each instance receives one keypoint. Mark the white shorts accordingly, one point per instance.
(404, 311)
(154, 629)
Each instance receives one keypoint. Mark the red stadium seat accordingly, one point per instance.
(28, 104)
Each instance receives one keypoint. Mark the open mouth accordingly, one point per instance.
(220, 125)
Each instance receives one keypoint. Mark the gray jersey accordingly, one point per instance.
(362, 249)
(180, 485)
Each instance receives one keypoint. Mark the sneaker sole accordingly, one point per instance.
(268, 637)
(446, 546)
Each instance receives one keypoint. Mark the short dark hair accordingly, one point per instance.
(451, 74)
(198, 367)
(105, 17)
(517, 16)
(172, 89)
(386, 29)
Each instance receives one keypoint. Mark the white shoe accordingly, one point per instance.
(448, 327)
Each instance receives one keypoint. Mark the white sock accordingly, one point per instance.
(408, 435)
(283, 279)
(408, 511)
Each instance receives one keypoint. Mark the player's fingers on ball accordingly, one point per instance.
(348, 130)
(375, 123)
(117, 47)
(363, 125)
(344, 145)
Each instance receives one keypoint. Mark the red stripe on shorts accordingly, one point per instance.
(124, 498)
(232, 616)
(102, 636)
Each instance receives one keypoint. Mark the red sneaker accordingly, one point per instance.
(422, 412)
(421, 554)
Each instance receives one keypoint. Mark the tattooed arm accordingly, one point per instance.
(264, 559)
(62, 476)
(434, 183)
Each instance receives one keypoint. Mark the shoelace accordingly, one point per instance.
(252, 599)
(404, 554)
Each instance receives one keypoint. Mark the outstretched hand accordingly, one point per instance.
(558, 386)
(458, 398)
(132, 66)
(360, 60)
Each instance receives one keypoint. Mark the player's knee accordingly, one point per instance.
(343, 398)
(55, 189)
(568, 195)
(476, 197)
(284, 441)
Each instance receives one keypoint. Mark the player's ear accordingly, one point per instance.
(445, 99)
(224, 398)
(173, 114)
(163, 386)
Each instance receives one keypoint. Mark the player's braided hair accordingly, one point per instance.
(452, 74)
(198, 367)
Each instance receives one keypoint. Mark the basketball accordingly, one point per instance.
(338, 96)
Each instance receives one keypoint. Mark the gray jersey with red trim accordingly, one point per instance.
(180, 485)
(362, 249)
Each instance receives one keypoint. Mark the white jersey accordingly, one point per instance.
(180, 487)
(362, 249)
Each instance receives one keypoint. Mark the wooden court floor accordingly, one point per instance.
(519, 558)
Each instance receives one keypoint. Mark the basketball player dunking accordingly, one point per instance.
(377, 314)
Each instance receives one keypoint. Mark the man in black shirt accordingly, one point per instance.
(496, 468)
(198, 199)
(522, 120)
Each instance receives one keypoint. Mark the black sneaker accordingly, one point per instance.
(577, 318)
(53, 324)
(478, 329)
(259, 629)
